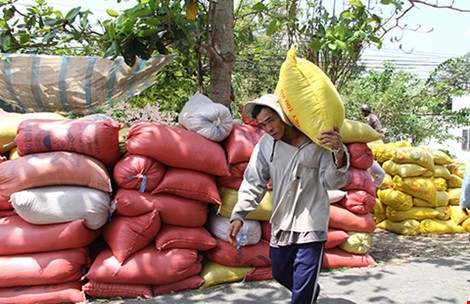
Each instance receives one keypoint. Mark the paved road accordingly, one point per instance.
(433, 281)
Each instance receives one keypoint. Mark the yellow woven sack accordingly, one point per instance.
(379, 211)
(422, 187)
(457, 168)
(454, 196)
(396, 199)
(387, 182)
(214, 273)
(457, 215)
(382, 153)
(229, 199)
(357, 243)
(414, 155)
(440, 183)
(9, 127)
(442, 198)
(440, 158)
(415, 213)
(13, 154)
(406, 227)
(441, 171)
(439, 227)
(466, 225)
(404, 170)
(455, 181)
(418, 202)
(308, 97)
(357, 131)
(444, 213)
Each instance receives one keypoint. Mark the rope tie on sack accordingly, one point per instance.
(216, 123)
(8, 144)
(143, 185)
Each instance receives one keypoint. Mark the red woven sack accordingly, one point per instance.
(197, 238)
(358, 201)
(190, 283)
(190, 184)
(256, 255)
(18, 236)
(43, 268)
(147, 266)
(98, 139)
(124, 290)
(52, 169)
(336, 258)
(260, 274)
(265, 230)
(341, 218)
(361, 156)
(126, 235)
(70, 292)
(177, 147)
(359, 179)
(137, 172)
(174, 210)
(241, 142)
(335, 237)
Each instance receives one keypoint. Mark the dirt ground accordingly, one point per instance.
(390, 248)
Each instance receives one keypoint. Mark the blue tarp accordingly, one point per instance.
(73, 84)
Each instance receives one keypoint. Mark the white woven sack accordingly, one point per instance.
(335, 196)
(250, 232)
(207, 118)
(60, 204)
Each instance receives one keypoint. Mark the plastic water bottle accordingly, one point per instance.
(241, 240)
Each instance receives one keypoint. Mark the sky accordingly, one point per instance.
(443, 34)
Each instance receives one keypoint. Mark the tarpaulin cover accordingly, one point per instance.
(72, 84)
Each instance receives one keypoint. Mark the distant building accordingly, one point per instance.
(460, 149)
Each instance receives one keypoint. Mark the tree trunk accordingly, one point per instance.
(222, 43)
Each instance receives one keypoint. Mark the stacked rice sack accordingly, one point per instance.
(59, 188)
(351, 215)
(421, 191)
(156, 239)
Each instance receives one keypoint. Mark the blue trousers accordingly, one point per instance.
(297, 267)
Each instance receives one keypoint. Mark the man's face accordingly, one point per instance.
(271, 123)
(364, 113)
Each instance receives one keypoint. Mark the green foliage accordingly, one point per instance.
(42, 29)
(333, 41)
(407, 108)
(149, 27)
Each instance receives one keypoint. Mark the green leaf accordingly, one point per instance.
(51, 22)
(112, 12)
(355, 3)
(129, 54)
(139, 13)
(259, 7)
(272, 28)
(72, 14)
(342, 45)
(315, 45)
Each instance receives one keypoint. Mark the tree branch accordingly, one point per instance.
(437, 5)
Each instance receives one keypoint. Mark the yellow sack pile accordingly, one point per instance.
(421, 190)
(229, 199)
(308, 97)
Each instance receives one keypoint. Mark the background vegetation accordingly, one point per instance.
(249, 53)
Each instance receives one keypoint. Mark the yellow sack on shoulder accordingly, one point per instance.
(308, 97)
